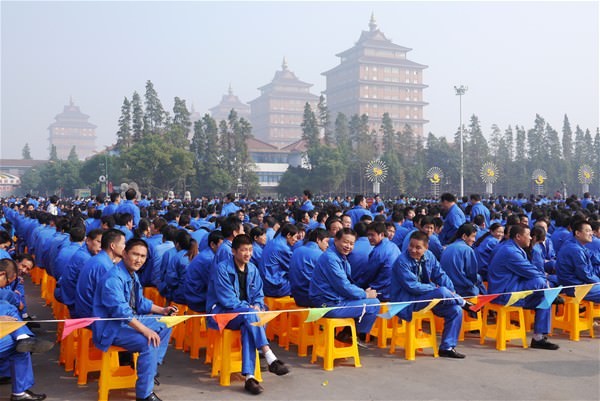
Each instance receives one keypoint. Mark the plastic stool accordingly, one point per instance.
(153, 295)
(470, 324)
(381, 329)
(503, 330)
(178, 334)
(113, 376)
(411, 336)
(228, 356)
(89, 358)
(325, 344)
(570, 320)
(196, 335)
(278, 326)
(300, 333)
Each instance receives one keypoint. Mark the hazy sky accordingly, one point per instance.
(517, 59)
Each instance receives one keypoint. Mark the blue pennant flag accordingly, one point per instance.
(549, 297)
(393, 310)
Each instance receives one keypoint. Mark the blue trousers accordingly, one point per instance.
(542, 321)
(253, 337)
(450, 310)
(366, 323)
(19, 363)
(150, 356)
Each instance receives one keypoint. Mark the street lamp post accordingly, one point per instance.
(460, 91)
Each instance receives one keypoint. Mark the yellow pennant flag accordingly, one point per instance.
(426, 309)
(517, 296)
(581, 291)
(266, 317)
(171, 321)
(7, 327)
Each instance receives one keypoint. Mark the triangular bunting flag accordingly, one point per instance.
(266, 317)
(224, 318)
(393, 310)
(171, 321)
(73, 324)
(482, 300)
(433, 303)
(517, 296)
(549, 297)
(7, 327)
(581, 291)
(315, 314)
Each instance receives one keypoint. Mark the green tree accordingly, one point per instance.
(53, 153)
(292, 179)
(73, 155)
(325, 121)
(310, 130)
(476, 152)
(567, 139)
(26, 152)
(137, 117)
(180, 127)
(396, 180)
(579, 148)
(124, 137)
(154, 115)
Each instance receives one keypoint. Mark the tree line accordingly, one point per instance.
(163, 151)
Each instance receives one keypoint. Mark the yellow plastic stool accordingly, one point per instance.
(503, 330)
(471, 324)
(278, 326)
(299, 332)
(196, 335)
(571, 321)
(113, 376)
(227, 358)
(411, 336)
(325, 344)
(178, 333)
(382, 329)
(89, 358)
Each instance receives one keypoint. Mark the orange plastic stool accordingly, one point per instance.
(382, 329)
(411, 336)
(503, 330)
(36, 275)
(227, 358)
(153, 295)
(571, 321)
(299, 332)
(89, 358)
(196, 335)
(113, 376)
(279, 326)
(325, 344)
(178, 334)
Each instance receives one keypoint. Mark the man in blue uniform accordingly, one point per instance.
(115, 199)
(198, 273)
(113, 243)
(359, 209)
(119, 295)
(453, 219)
(574, 264)
(303, 263)
(511, 271)
(307, 204)
(228, 205)
(235, 286)
(417, 275)
(331, 285)
(15, 348)
(274, 265)
(479, 208)
(128, 206)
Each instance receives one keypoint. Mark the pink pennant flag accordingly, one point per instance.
(73, 324)
(8, 326)
(581, 291)
(266, 317)
(224, 318)
(517, 296)
(482, 300)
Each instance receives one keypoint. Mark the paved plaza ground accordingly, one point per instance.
(571, 373)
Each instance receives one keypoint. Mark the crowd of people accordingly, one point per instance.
(226, 255)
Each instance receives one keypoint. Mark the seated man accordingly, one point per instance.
(235, 286)
(15, 348)
(574, 264)
(119, 295)
(274, 265)
(511, 271)
(303, 263)
(331, 285)
(417, 275)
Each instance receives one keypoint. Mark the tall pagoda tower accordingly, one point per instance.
(229, 102)
(72, 128)
(376, 77)
(276, 114)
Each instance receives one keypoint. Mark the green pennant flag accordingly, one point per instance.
(315, 314)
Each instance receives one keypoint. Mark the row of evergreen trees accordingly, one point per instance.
(161, 151)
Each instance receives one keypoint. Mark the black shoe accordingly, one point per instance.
(544, 344)
(253, 386)
(451, 353)
(362, 344)
(5, 380)
(467, 308)
(33, 345)
(278, 368)
(344, 336)
(28, 396)
(151, 397)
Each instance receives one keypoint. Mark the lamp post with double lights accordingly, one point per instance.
(460, 91)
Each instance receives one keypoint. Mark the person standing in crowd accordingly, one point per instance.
(454, 218)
